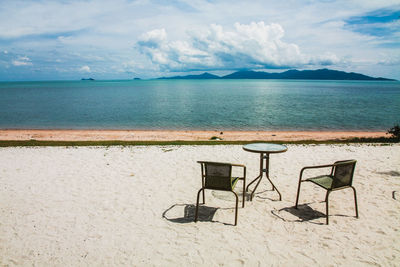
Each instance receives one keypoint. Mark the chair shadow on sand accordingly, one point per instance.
(303, 213)
(206, 214)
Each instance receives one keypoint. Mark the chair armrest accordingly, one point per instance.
(314, 167)
(238, 165)
(216, 162)
(233, 165)
(244, 170)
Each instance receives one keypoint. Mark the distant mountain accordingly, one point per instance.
(252, 75)
(87, 79)
(321, 74)
(205, 75)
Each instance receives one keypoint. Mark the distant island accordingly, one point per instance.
(87, 79)
(320, 74)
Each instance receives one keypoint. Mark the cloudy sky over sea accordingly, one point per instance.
(121, 39)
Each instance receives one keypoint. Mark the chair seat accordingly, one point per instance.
(234, 181)
(215, 184)
(324, 181)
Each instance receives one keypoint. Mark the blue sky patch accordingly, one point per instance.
(380, 23)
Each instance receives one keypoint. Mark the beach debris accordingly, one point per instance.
(215, 138)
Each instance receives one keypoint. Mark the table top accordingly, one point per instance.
(265, 148)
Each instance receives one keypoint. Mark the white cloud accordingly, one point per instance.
(393, 60)
(251, 46)
(101, 34)
(22, 61)
(85, 69)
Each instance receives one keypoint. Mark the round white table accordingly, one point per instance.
(264, 149)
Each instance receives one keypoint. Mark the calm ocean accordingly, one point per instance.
(200, 104)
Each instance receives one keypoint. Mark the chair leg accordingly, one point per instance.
(327, 206)
(298, 194)
(355, 200)
(197, 204)
(244, 192)
(236, 207)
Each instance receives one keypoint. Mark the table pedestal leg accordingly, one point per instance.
(259, 177)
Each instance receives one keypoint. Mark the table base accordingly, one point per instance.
(263, 156)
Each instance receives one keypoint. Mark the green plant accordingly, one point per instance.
(395, 131)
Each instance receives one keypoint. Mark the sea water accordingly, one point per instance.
(201, 105)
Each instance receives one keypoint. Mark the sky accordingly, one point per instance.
(121, 39)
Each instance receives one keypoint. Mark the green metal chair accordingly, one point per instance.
(341, 177)
(218, 176)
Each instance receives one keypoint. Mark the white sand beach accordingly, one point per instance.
(134, 206)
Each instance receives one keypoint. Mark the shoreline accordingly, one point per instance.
(180, 135)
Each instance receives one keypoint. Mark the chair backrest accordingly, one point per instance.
(343, 173)
(217, 175)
